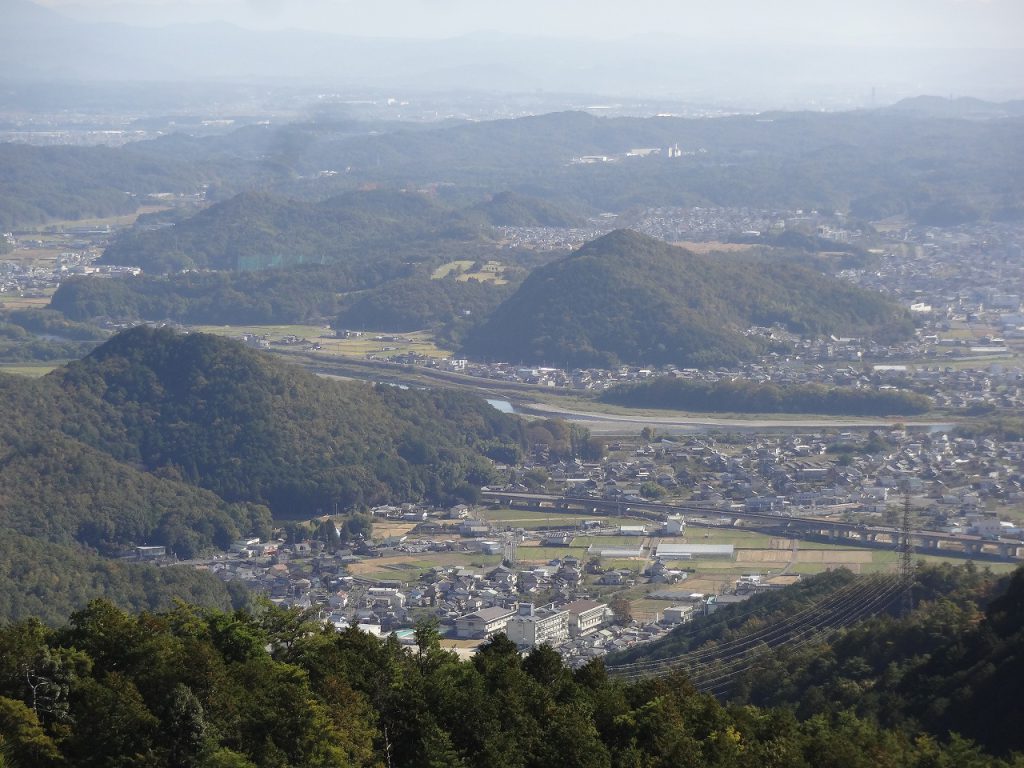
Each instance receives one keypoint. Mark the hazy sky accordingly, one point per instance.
(917, 23)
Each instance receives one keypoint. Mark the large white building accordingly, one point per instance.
(586, 616)
(483, 623)
(535, 626)
(690, 551)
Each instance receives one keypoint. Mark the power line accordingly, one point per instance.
(906, 559)
(711, 668)
(847, 591)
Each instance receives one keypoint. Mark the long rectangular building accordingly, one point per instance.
(690, 551)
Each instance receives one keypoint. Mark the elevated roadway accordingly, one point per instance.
(928, 542)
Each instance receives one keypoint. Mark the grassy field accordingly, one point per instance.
(524, 518)
(536, 554)
(532, 519)
(379, 343)
(114, 222)
(409, 568)
(611, 542)
(452, 267)
(32, 370)
(589, 404)
(14, 301)
(461, 271)
(490, 276)
(713, 246)
(754, 553)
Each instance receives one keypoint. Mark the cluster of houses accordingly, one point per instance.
(835, 362)
(471, 605)
(957, 483)
(78, 250)
(551, 238)
(714, 223)
(964, 283)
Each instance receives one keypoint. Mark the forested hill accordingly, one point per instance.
(192, 441)
(628, 298)
(250, 428)
(255, 230)
(508, 209)
(871, 164)
(727, 396)
(210, 689)
(956, 664)
(953, 665)
(39, 184)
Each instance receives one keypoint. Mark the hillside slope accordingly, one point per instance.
(254, 231)
(253, 429)
(628, 298)
(192, 441)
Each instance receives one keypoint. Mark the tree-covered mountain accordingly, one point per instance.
(448, 307)
(751, 397)
(509, 209)
(253, 231)
(192, 441)
(292, 295)
(34, 335)
(871, 164)
(40, 184)
(961, 107)
(251, 429)
(953, 665)
(48, 582)
(57, 489)
(210, 689)
(628, 298)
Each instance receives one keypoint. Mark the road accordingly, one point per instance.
(524, 398)
(599, 423)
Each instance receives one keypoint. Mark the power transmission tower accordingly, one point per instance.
(906, 559)
(509, 549)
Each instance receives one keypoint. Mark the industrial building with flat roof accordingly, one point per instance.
(690, 551)
(597, 550)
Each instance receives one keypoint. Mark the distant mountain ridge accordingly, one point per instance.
(629, 298)
(872, 164)
(38, 44)
(962, 107)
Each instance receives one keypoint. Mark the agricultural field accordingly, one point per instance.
(529, 519)
(409, 567)
(14, 301)
(370, 343)
(704, 247)
(451, 268)
(755, 553)
(491, 271)
(32, 370)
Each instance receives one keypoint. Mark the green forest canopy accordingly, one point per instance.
(206, 688)
(193, 441)
(738, 396)
(628, 298)
(871, 164)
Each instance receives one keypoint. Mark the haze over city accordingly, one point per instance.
(741, 53)
(915, 23)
